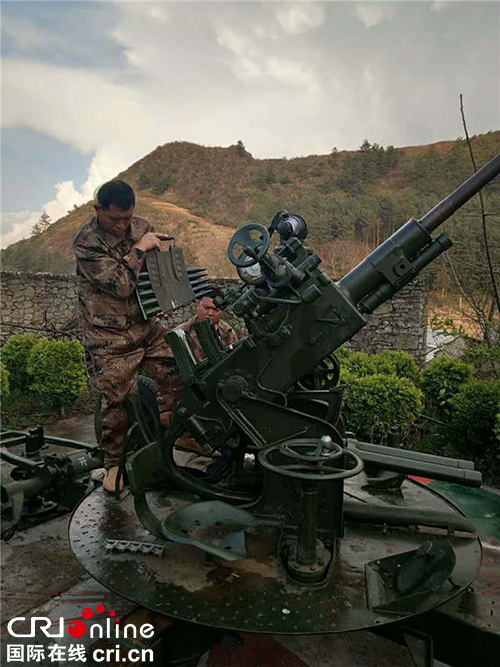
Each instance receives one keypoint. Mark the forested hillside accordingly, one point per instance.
(351, 200)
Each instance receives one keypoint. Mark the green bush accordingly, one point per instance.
(375, 403)
(361, 364)
(401, 364)
(496, 430)
(486, 361)
(4, 381)
(475, 408)
(343, 353)
(160, 186)
(15, 354)
(441, 380)
(57, 371)
(356, 364)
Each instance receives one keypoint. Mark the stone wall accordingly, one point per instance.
(46, 304)
(398, 324)
(39, 303)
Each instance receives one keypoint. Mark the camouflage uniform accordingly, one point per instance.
(226, 336)
(116, 336)
(223, 331)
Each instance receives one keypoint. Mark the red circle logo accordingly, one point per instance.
(87, 613)
(100, 608)
(77, 629)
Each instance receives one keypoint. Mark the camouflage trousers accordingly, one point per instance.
(117, 357)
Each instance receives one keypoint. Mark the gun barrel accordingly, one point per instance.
(423, 468)
(461, 195)
(423, 457)
(400, 258)
(405, 516)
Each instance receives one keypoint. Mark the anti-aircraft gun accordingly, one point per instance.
(296, 524)
(296, 316)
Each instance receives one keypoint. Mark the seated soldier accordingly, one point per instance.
(207, 310)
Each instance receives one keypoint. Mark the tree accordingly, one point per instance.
(388, 214)
(270, 175)
(240, 148)
(36, 229)
(334, 155)
(44, 221)
(474, 264)
(41, 225)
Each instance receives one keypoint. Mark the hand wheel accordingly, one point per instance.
(303, 458)
(253, 237)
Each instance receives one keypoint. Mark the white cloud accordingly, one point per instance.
(19, 223)
(300, 18)
(440, 5)
(66, 197)
(231, 40)
(266, 32)
(105, 165)
(48, 104)
(25, 34)
(142, 33)
(156, 13)
(289, 72)
(256, 61)
(372, 14)
(104, 121)
(231, 71)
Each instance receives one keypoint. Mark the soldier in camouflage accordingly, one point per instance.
(206, 310)
(110, 250)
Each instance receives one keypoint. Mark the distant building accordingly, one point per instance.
(439, 342)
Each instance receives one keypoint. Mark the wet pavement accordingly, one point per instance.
(41, 577)
(38, 564)
(79, 428)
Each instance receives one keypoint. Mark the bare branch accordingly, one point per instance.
(468, 297)
(475, 266)
(483, 217)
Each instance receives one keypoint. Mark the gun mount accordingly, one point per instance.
(43, 484)
(251, 397)
(295, 524)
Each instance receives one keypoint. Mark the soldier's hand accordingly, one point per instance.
(164, 316)
(151, 240)
(166, 418)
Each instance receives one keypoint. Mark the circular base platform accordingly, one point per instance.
(255, 594)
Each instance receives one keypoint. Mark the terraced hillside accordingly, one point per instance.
(351, 200)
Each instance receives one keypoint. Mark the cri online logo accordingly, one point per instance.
(78, 628)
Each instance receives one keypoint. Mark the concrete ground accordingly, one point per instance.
(41, 577)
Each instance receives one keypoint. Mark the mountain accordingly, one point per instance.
(351, 200)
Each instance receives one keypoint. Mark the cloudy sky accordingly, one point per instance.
(88, 88)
